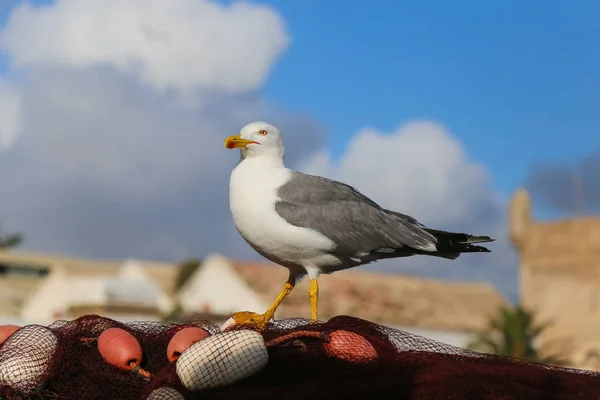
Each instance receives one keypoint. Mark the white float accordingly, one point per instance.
(165, 393)
(25, 358)
(222, 359)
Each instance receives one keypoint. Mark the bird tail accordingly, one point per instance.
(450, 244)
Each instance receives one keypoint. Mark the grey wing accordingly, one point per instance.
(355, 223)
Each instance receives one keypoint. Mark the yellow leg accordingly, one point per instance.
(261, 320)
(313, 293)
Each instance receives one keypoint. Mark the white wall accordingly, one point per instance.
(143, 288)
(60, 291)
(51, 296)
(217, 285)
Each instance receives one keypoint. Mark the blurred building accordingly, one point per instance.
(41, 288)
(560, 279)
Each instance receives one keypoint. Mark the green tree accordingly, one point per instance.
(9, 241)
(186, 268)
(513, 332)
(175, 315)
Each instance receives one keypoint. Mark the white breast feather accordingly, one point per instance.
(253, 193)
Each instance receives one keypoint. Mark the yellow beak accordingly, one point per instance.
(236, 142)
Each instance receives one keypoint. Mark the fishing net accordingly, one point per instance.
(344, 357)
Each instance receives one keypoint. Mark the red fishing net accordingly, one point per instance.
(344, 357)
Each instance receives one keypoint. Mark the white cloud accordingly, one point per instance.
(10, 114)
(179, 44)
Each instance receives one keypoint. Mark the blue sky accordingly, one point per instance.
(7, 5)
(515, 81)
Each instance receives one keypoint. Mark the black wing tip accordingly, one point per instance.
(454, 251)
(463, 238)
(480, 249)
(470, 248)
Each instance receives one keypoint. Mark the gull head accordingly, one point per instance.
(257, 139)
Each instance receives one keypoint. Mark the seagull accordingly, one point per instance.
(313, 225)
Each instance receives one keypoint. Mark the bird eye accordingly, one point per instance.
(263, 132)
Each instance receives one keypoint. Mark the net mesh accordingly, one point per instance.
(344, 357)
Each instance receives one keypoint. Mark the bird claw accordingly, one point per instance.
(259, 321)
